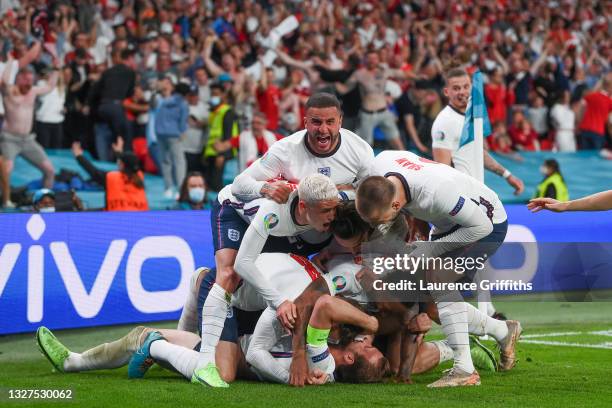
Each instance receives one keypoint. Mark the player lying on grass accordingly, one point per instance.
(350, 361)
(350, 231)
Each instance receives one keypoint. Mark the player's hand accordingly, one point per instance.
(298, 372)
(421, 323)
(517, 183)
(277, 191)
(287, 313)
(317, 377)
(366, 278)
(321, 259)
(538, 204)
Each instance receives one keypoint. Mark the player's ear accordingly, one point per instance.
(349, 358)
(302, 205)
(395, 205)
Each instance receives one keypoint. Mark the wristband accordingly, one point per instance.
(506, 174)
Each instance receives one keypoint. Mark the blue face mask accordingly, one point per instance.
(215, 101)
(47, 210)
(196, 194)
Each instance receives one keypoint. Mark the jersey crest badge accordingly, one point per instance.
(233, 235)
(339, 283)
(458, 206)
(326, 171)
(271, 221)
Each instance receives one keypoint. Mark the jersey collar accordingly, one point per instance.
(326, 154)
(456, 110)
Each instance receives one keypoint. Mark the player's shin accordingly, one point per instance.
(180, 358)
(106, 356)
(479, 324)
(214, 313)
(453, 317)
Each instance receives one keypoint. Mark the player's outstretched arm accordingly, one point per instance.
(329, 310)
(597, 202)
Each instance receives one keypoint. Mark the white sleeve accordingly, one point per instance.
(366, 164)
(461, 210)
(264, 337)
(441, 137)
(247, 185)
(319, 357)
(250, 248)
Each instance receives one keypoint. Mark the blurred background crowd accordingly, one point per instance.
(184, 87)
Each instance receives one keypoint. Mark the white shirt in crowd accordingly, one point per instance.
(195, 136)
(51, 108)
(247, 151)
(563, 119)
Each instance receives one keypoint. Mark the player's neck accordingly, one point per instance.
(457, 109)
(400, 191)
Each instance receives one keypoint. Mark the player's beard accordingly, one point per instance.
(321, 143)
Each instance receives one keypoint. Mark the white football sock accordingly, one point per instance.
(105, 356)
(214, 313)
(446, 353)
(453, 317)
(479, 324)
(180, 358)
(189, 314)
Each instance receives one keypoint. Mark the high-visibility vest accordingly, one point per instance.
(556, 180)
(122, 195)
(215, 129)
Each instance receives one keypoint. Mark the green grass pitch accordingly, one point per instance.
(565, 360)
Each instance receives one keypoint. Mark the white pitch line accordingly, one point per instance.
(560, 343)
(535, 336)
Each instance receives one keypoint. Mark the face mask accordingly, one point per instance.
(215, 100)
(47, 210)
(196, 194)
(543, 170)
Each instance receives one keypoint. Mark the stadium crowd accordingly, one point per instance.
(189, 85)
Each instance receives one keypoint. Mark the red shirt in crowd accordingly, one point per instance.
(499, 98)
(523, 137)
(598, 107)
(268, 101)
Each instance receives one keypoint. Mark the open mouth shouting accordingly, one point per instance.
(323, 141)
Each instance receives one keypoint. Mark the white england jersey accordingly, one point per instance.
(438, 193)
(273, 347)
(446, 134)
(290, 274)
(292, 159)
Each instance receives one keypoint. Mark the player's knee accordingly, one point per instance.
(136, 337)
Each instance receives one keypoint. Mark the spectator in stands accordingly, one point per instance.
(553, 185)
(193, 193)
(135, 106)
(410, 116)
(563, 120)
(222, 126)
(197, 130)
(268, 99)
(522, 134)
(251, 144)
(172, 113)
(201, 81)
(50, 113)
(124, 188)
(499, 97)
(106, 101)
(76, 124)
(43, 201)
(537, 115)
(597, 106)
(17, 136)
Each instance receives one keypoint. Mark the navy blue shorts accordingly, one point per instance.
(227, 226)
(237, 323)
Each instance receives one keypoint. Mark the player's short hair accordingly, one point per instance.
(373, 193)
(317, 187)
(361, 371)
(455, 73)
(348, 223)
(324, 100)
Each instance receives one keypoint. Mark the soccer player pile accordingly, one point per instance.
(266, 312)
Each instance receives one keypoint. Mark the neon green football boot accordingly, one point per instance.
(51, 348)
(209, 375)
